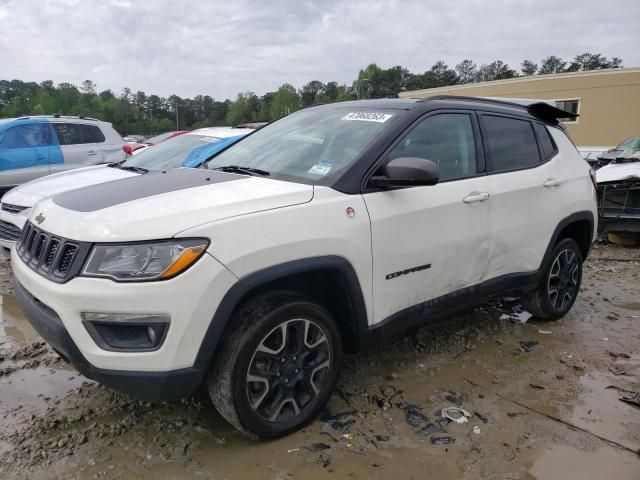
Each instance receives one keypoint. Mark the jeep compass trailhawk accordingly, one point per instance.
(332, 226)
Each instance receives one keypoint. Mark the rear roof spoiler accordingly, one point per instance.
(542, 109)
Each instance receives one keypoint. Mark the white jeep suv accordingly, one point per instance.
(330, 227)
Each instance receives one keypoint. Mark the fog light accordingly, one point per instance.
(127, 331)
(152, 334)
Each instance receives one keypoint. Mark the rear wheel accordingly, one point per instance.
(560, 283)
(278, 367)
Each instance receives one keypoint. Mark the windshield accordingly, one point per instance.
(158, 138)
(627, 143)
(314, 145)
(170, 154)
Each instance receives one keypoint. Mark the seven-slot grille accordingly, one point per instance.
(8, 231)
(8, 207)
(54, 257)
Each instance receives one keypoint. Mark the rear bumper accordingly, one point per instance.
(152, 386)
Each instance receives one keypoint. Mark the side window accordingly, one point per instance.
(446, 139)
(91, 134)
(547, 145)
(510, 142)
(68, 133)
(24, 136)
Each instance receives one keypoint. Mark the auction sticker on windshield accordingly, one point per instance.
(368, 117)
(321, 168)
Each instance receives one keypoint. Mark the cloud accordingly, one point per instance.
(222, 48)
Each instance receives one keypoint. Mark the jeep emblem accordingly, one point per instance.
(39, 218)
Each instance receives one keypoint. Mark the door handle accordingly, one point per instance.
(551, 182)
(476, 197)
(91, 153)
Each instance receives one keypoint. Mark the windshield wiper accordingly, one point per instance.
(239, 169)
(134, 169)
(116, 164)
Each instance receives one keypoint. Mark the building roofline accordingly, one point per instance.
(523, 79)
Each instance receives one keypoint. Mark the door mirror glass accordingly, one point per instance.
(407, 172)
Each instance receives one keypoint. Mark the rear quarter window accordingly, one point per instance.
(91, 134)
(547, 145)
(510, 143)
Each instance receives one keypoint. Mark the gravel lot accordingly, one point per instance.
(540, 395)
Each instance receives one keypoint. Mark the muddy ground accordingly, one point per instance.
(544, 399)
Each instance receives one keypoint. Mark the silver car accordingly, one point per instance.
(35, 146)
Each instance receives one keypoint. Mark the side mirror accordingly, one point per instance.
(407, 172)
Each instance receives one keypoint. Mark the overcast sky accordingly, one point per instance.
(222, 48)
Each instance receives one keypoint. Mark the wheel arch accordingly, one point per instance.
(330, 280)
(578, 226)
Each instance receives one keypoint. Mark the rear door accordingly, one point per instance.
(430, 241)
(94, 141)
(524, 192)
(24, 153)
(78, 146)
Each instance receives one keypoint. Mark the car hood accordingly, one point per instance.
(615, 172)
(30, 193)
(162, 204)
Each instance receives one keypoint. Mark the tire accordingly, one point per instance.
(277, 367)
(560, 282)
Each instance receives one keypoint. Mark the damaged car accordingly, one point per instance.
(628, 148)
(619, 195)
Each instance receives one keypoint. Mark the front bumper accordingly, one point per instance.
(190, 300)
(152, 386)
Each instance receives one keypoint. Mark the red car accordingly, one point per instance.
(129, 148)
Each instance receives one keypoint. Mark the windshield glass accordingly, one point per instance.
(627, 143)
(158, 138)
(314, 145)
(170, 154)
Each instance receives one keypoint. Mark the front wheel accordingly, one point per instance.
(560, 283)
(278, 366)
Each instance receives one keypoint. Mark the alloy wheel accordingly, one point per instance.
(562, 285)
(288, 370)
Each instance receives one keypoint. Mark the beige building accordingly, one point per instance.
(608, 101)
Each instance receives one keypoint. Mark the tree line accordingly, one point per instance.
(138, 112)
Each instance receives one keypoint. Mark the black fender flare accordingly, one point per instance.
(234, 295)
(574, 217)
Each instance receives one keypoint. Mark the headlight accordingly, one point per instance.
(144, 261)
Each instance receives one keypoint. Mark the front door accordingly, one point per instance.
(24, 153)
(430, 241)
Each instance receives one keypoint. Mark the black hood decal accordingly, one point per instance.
(115, 192)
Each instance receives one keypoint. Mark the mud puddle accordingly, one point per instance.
(31, 374)
(599, 410)
(15, 330)
(569, 463)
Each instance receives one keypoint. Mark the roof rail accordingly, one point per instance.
(80, 117)
(538, 108)
(254, 125)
